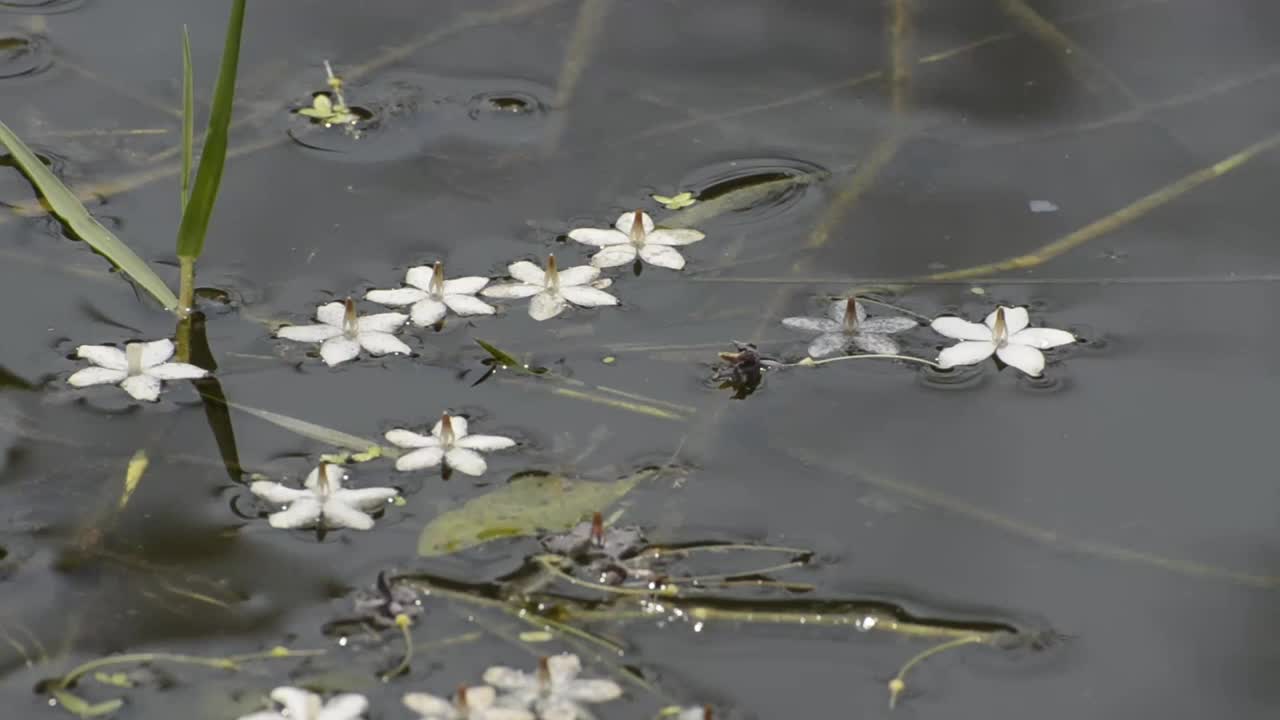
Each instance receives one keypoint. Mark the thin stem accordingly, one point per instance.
(404, 623)
(810, 362)
(899, 681)
(187, 285)
(547, 563)
(227, 663)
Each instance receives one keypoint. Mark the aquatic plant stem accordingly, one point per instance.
(186, 285)
(223, 663)
(810, 362)
(899, 681)
(548, 563)
(405, 624)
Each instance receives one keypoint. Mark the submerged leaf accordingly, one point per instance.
(504, 359)
(527, 506)
(337, 438)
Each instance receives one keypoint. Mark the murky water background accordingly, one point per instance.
(1126, 501)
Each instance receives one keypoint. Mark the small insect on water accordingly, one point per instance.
(742, 370)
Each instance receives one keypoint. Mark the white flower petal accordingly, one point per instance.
(419, 459)
(298, 703)
(506, 678)
(308, 333)
(587, 296)
(958, 329)
(886, 325)
(456, 422)
(614, 255)
(399, 296)
(673, 236)
(263, 715)
(563, 668)
(527, 273)
(827, 344)
(875, 343)
(578, 275)
(1024, 357)
(380, 323)
(662, 256)
(481, 697)
(303, 512)
(176, 371)
(469, 285)
(428, 312)
(156, 352)
(967, 352)
(467, 462)
(468, 305)
(344, 707)
(559, 708)
(485, 443)
(420, 276)
(333, 313)
(627, 220)
(274, 492)
(334, 474)
(1015, 319)
(504, 713)
(512, 290)
(380, 343)
(142, 387)
(593, 691)
(409, 439)
(836, 310)
(96, 376)
(365, 498)
(546, 305)
(812, 324)
(599, 237)
(341, 515)
(429, 705)
(1042, 338)
(104, 356)
(337, 350)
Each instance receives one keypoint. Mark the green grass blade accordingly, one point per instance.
(188, 115)
(69, 209)
(195, 217)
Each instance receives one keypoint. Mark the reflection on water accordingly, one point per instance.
(904, 149)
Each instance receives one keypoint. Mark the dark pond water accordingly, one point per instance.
(1108, 532)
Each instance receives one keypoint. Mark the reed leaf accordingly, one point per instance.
(72, 212)
(188, 116)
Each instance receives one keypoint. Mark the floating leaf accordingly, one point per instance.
(133, 476)
(69, 209)
(675, 202)
(526, 506)
(326, 435)
(738, 199)
(506, 360)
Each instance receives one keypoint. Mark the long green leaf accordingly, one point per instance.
(326, 435)
(204, 193)
(67, 207)
(188, 116)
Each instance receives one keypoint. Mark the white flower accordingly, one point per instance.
(341, 333)
(552, 290)
(448, 441)
(842, 327)
(555, 692)
(1005, 333)
(635, 235)
(432, 296)
(138, 368)
(469, 703)
(694, 712)
(302, 705)
(323, 500)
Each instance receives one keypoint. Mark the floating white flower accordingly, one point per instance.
(555, 692)
(847, 323)
(341, 333)
(302, 705)
(138, 368)
(1004, 334)
(431, 295)
(469, 703)
(634, 234)
(323, 501)
(552, 290)
(448, 441)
